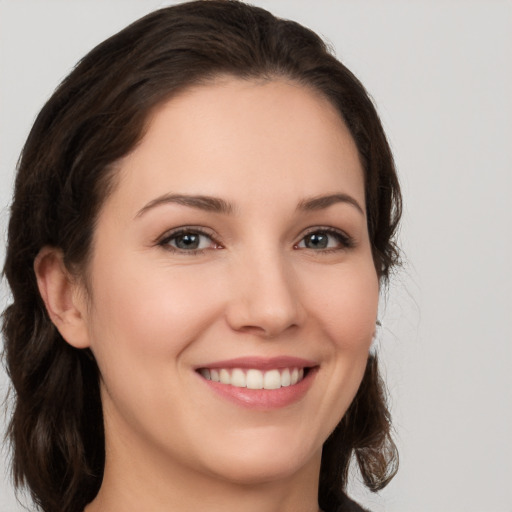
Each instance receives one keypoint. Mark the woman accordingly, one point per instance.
(203, 216)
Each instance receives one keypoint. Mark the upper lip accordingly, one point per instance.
(262, 363)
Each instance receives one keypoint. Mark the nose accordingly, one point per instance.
(264, 299)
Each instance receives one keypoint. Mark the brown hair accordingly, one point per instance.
(96, 116)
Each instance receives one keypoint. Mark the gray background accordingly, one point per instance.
(440, 73)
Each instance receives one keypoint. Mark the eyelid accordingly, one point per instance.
(346, 240)
(164, 239)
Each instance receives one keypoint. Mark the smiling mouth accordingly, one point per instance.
(252, 378)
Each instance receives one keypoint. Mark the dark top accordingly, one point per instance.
(344, 504)
(348, 505)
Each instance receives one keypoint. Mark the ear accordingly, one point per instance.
(63, 296)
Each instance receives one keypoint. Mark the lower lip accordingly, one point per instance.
(264, 398)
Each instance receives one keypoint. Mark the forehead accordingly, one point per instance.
(236, 136)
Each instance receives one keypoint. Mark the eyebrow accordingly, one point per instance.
(322, 202)
(206, 203)
(218, 205)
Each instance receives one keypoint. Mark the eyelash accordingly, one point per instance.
(344, 240)
(189, 230)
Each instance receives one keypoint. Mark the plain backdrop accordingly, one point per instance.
(440, 74)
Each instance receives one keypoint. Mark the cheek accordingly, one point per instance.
(150, 313)
(144, 322)
(346, 312)
(342, 304)
(345, 304)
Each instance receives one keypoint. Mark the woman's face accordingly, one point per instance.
(233, 247)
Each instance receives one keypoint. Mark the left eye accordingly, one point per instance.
(188, 241)
(324, 239)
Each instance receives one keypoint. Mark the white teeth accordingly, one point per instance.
(253, 378)
(238, 378)
(225, 378)
(272, 380)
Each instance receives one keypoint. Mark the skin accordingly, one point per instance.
(153, 313)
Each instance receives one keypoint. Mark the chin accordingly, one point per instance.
(250, 472)
(262, 462)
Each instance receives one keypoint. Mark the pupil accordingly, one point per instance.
(317, 241)
(189, 241)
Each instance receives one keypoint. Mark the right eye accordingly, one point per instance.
(188, 240)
